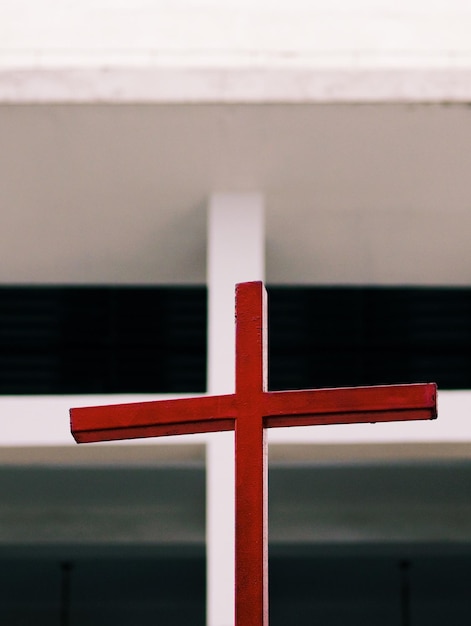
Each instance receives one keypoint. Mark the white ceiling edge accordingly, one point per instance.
(114, 85)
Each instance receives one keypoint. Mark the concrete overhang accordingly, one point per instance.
(106, 174)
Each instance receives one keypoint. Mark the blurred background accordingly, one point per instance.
(125, 126)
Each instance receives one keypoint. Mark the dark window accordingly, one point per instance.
(153, 339)
(104, 591)
(102, 340)
(341, 336)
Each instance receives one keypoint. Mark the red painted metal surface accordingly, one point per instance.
(249, 411)
(251, 473)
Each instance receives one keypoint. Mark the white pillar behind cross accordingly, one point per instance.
(236, 253)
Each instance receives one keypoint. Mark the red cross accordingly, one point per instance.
(249, 411)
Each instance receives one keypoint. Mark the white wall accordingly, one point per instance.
(249, 33)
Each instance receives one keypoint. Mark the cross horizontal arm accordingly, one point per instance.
(350, 405)
(153, 419)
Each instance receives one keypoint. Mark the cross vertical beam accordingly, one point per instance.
(251, 458)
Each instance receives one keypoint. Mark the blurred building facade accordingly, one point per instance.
(148, 164)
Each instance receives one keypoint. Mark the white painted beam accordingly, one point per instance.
(124, 85)
(234, 32)
(43, 421)
(236, 242)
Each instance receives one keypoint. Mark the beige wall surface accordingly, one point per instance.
(354, 194)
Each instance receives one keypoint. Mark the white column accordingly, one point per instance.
(236, 245)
